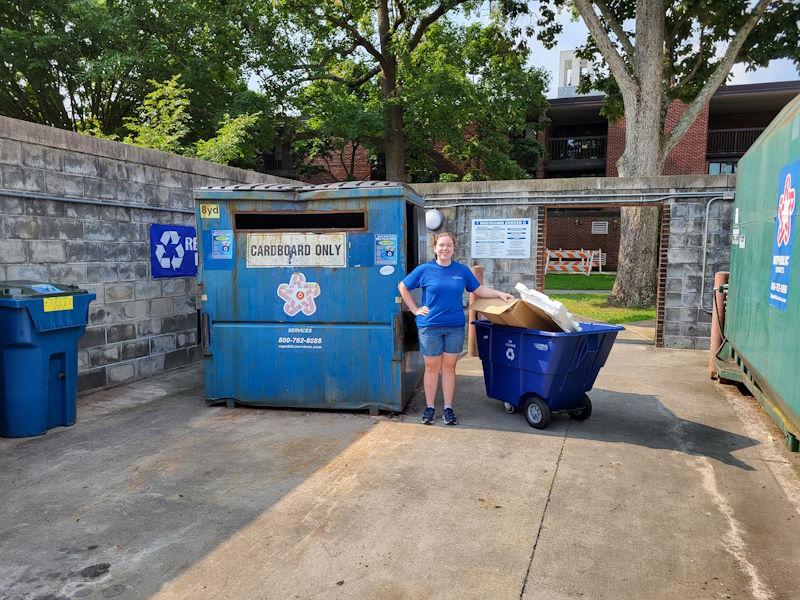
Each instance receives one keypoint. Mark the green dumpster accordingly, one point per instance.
(762, 321)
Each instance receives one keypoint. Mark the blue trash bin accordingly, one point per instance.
(543, 372)
(40, 324)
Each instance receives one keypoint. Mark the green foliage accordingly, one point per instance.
(229, 143)
(449, 177)
(163, 118)
(93, 128)
(464, 89)
(338, 121)
(163, 124)
(77, 64)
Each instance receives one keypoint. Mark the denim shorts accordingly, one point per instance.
(435, 340)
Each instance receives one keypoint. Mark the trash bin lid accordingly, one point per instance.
(21, 290)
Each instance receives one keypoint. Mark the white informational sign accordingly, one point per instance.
(296, 250)
(501, 238)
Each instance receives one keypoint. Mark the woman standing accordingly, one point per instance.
(440, 320)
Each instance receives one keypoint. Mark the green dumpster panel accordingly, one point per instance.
(763, 312)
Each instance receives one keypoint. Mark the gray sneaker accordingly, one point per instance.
(449, 417)
(428, 415)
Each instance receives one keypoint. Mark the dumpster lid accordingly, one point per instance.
(36, 289)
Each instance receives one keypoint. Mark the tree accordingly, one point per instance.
(400, 78)
(77, 64)
(674, 52)
(163, 120)
(379, 39)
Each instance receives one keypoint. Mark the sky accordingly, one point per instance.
(574, 35)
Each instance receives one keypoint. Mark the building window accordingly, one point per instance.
(724, 167)
(599, 227)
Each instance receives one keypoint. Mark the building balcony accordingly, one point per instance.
(577, 153)
(731, 142)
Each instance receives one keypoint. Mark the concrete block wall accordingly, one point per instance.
(77, 210)
(687, 322)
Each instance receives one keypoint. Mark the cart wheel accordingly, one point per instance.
(537, 413)
(585, 411)
(510, 408)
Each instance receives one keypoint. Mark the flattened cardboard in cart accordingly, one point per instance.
(515, 313)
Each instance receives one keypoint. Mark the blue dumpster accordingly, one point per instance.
(40, 324)
(543, 372)
(299, 294)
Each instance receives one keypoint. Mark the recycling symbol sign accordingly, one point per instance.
(510, 353)
(173, 251)
(170, 238)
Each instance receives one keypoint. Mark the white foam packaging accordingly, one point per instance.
(553, 308)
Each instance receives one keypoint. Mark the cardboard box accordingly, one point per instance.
(514, 313)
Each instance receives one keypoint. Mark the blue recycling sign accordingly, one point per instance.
(173, 251)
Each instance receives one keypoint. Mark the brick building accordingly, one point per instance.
(580, 142)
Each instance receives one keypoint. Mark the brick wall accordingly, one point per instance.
(339, 167)
(76, 210)
(572, 230)
(688, 157)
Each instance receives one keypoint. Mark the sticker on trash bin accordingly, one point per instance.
(385, 249)
(209, 211)
(45, 288)
(221, 244)
(510, 353)
(298, 295)
(57, 303)
(386, 270)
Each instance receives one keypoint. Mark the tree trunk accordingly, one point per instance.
(635, 284)
(395, 145)
(637, 265)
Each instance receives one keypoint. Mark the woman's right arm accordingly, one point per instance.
(405, 294)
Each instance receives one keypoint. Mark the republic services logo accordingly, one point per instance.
(785, 211)
(298, 295)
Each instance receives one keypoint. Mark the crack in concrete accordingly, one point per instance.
(544, 512)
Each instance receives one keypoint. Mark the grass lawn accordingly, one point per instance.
(593, 306)
(565, 281)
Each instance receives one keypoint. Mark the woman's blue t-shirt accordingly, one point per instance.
(442, 292)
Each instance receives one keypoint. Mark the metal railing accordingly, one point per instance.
(731, 141)
(577, 148)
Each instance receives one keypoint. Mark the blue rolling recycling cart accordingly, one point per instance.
(543, 372)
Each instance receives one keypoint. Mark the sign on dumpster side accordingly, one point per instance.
(783, 235)
(296, 250)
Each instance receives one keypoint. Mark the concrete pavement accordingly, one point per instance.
(668, 491)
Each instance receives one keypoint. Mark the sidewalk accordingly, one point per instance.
(670, 490)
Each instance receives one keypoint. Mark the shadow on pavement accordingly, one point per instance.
(617, 417)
